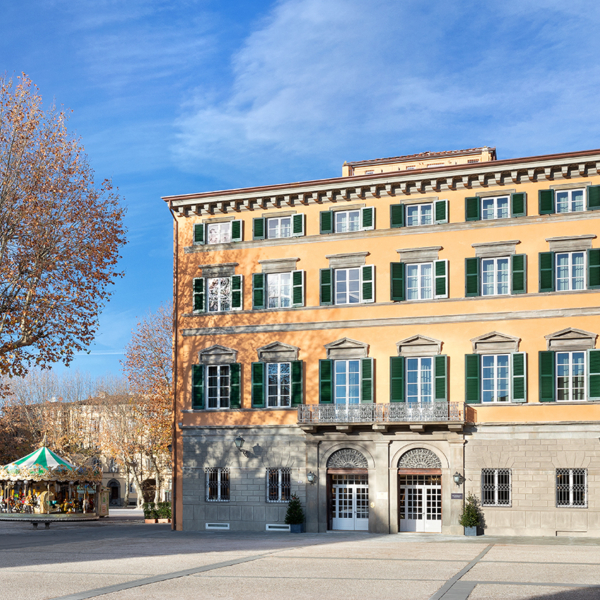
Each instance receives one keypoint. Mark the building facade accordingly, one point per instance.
(384, 343)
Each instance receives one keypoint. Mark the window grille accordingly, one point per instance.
(571, 488)
(496, 487)
(279, 484)
(217, 484)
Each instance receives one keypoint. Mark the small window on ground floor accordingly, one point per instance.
(571, 488)
(217, 484)
(279, 484)
(496, 487)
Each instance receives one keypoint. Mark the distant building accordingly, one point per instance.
(386, 342)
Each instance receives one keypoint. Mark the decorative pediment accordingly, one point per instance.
(571, 339)
(419, 345)
(217, 355)
(419, 458)
(277, 352)
(494, 343)
(346, 349)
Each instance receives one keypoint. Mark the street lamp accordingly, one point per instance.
(239, 442)
(458, 478)
(311, 477)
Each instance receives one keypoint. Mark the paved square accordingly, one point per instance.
(123, 559)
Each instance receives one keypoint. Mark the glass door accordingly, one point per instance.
(350, 502)
(420, 503)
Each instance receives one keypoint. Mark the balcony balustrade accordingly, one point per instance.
(399, 412)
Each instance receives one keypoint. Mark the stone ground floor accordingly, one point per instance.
(530, 479)
(123, 560)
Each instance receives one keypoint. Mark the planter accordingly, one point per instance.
(296, 528)
(150, 520)
(164, 520)
(473, 531)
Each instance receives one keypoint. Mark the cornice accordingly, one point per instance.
(550, 167)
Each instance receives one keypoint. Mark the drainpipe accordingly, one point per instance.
(174, 514)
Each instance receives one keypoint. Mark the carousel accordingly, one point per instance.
(45, 488)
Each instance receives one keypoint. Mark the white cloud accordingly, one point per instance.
(319, 80)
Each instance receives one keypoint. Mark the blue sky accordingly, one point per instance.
(187, 96)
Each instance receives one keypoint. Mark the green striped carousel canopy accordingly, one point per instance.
(45, 465)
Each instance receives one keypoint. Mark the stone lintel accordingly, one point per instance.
(570, 243)
(494, 249)
(419, 255)
(278, 265)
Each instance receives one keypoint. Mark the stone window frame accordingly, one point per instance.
(219, 471)
(419, 346)
(495, 342)
(217, 355)
(570, 490)
(277, 352)
(281, 484)
(571, 339)
(495, 487)
(347, 349)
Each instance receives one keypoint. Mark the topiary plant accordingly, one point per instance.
(471, 515)
(295, 514)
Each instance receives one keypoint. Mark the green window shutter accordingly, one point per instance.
(325, 382)
(519, 377)
(546, 271)
(199, 233)
(472, 378)
(519, 273)
(594, 375)
(298, 288)
(518, 204)
(367, 218)
(258, 290)
(593, 268)
(368, 283)
(297, 225)
(397, 215)
(198, 387)
(258, 228)
(235, 391)
(547, 383)
(296, 382)
(440, 210)
(366, 381)
(326, 285)
(440, 270)
(237, 292)
(593, 197)
(199, 304)
(326, 221)
(397, 379)
(546, 202)
(472, 277)
(473, 208)
(236, 231)
(397, 292)
(258, 385)
(441, 378)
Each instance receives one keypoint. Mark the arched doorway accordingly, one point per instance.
(149, 489)
(420, 491)
(115, 492)
(348, 487)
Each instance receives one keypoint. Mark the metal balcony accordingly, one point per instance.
(381, 414)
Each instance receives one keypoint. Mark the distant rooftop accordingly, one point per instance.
(422, 160)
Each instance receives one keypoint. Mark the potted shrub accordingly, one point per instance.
(295, 515)
(471, 518)
(150, 514)
(164, 512)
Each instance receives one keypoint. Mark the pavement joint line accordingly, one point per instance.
(119, 587)
(303, 578)
(447, 587)
(345, 559)
(534, 583)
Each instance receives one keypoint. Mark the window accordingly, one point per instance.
(419, 214)
(217, 484)
(347, 221)
(495, 487)
(495, 276)
(279, 286)
(347, 382)
(570, 375)
(495, 377)
(410, 168)
(131, 488)
(347, 286)
(280, 227)
(495, 208)
(569, 201)
(113, 467)
(570, 271)
(279, 484)
(419, 281)
(218, 233)
(217, 386)
(219, 294)
(571, 488)
(279, 384)
(472, 161)
(419, 386)
(369, 172)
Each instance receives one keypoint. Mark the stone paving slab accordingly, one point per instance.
(514, 592)
(558, 554)
(536, 573)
